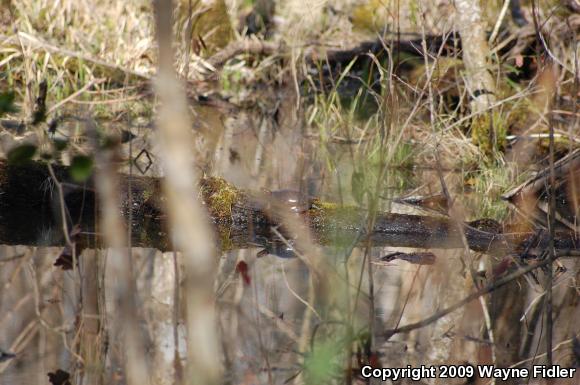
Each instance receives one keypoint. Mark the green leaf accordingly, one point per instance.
(7, 102)
(21, 154)
(81, 168)
(321, 365)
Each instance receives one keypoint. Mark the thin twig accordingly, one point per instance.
(12, 258)
(550, 272)
(500, 19)
(176, 310)
(297, 296)
(62, 210)
(486, 290)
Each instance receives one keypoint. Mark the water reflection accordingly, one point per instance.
(261, 321)
(68, 320)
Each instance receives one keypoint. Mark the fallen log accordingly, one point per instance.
(30, 208)
(315, 53)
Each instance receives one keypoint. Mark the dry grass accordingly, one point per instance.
(119, 34)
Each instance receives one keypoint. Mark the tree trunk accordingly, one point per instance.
(479, 81)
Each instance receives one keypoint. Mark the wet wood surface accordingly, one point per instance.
(30, 207)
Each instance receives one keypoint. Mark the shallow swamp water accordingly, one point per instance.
(268, 308)
(300, 312)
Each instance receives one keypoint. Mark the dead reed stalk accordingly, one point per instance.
(187, 219)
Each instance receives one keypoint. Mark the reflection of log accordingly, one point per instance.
(29, 207)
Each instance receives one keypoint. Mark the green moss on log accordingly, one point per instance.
(327, 215)
(219, 196)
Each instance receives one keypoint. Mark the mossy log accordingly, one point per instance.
(30, 207)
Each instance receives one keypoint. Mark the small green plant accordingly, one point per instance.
(7, 102)
(487, 184)
(81, 168)
(324, 362)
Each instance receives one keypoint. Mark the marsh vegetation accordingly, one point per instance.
(261, 191)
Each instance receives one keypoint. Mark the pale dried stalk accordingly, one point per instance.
(499, 21)
(187, 218)
(114, 233)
